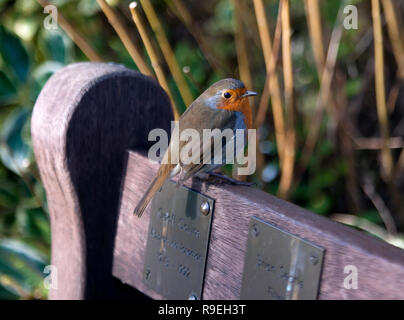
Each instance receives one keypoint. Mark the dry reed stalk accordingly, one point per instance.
(188, 74)
(316, 37)
(290, 137)
(152, 54)
(387, 158)
(347, 149)
(325, 95)
(315, 30)
(76, 37)
(263, 104)
(123, 34)
(399, 169)
(168, 52)
(273, 83)
(366, 225)
(393, 95)
(377, 143)
(242, 58)
(384, 213)
(248, 19)
(179, 9)
(394, 27)
(241, 46)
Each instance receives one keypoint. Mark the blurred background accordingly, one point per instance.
(329, 114)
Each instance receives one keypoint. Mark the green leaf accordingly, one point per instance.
(7, 89)
(21, 269)
(88, 7)
(14, 54)
(23, 252)
(372, 216)
(223, 18)
(321, 204)
(41, 74)
(353, 87)
(15, 154)
(55, 44)
(8, 198)
(7, 294)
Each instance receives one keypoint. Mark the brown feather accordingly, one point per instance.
(157, 183)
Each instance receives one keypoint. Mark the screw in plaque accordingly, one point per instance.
(313, 260)
(192, 296)
(254, 230)
(147, 274)
(205, 208)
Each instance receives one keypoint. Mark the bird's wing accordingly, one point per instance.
(212, 119)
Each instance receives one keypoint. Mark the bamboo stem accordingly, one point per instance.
(152, 54)
(326, 73)
(393, 95)
(76, 37)
(377, 143)
(167, 52)
(399, 169)
(242, 58)
(273, 78)
(289, 150)
(394, 27)
(263, 105)
(380, 205)
(387, 158)
(315, 31)
(123, 34)
(241, 47)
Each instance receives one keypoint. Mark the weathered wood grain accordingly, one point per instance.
(85, 118)
(380, 265)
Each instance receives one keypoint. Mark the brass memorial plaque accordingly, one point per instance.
(177, 243)
(279, 265)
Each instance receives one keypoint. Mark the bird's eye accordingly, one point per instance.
(227, 95)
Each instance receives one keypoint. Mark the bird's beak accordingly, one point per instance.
(248, 94)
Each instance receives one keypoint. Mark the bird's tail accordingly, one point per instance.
(156, 184)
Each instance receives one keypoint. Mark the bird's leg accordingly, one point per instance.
(180, 177)
(230, 180)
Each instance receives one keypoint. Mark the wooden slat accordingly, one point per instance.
(380, 265)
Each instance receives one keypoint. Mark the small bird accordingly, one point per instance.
(224, 105)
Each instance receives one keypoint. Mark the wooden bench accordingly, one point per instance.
(90, 129)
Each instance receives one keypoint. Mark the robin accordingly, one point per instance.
(224, 105)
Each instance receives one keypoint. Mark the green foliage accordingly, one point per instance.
(21, 269)
(14, 54)
(24, 224)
